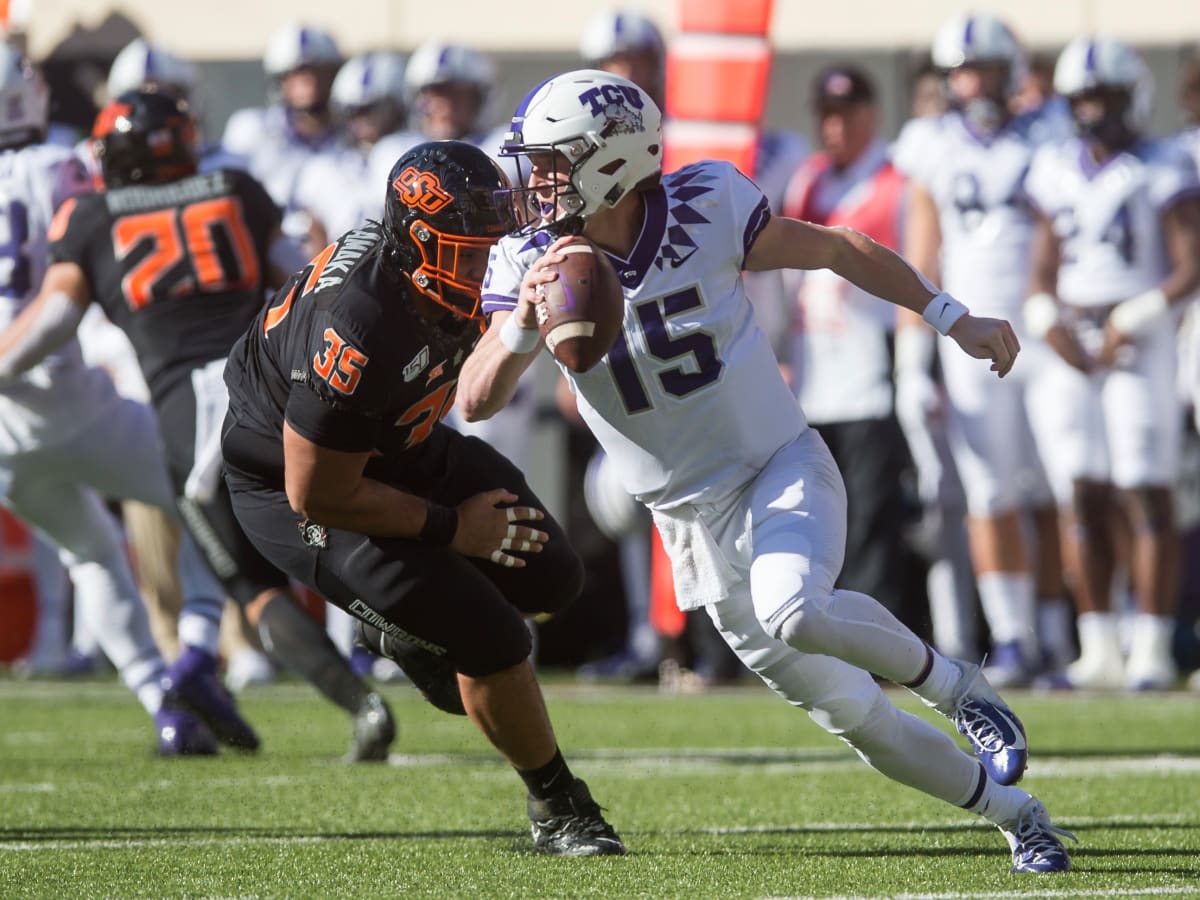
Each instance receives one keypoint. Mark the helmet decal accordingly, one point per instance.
(422, 190)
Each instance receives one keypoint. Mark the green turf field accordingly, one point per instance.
(726, 794)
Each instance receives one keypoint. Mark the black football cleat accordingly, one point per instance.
(570, 824)
(374, 731)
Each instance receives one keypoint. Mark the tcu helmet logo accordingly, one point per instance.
(422, 190)
(619, 105)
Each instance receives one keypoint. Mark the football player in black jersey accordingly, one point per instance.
(345, 476)
(180, 260)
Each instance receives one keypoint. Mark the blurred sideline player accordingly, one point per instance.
(940, 535)
(64, 431)
(340, 189)
(691, 401)
(969, 229)
(452, 91)
(1117, 251)
(342, 472)
(274, 142)
(152, 533)
(840, 358)
(179, 260)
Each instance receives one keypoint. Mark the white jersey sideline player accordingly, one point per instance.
(1116, 253)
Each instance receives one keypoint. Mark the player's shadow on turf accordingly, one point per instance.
(200, 832)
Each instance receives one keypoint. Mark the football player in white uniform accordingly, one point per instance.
(64, 430)
(274, 142)
(340, 189)
(1117, 249)
(969, 228)
(691, 404)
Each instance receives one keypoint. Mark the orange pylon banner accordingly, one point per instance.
(726, 16)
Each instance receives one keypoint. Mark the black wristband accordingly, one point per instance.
(441, 523)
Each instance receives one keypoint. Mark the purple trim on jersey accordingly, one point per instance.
(757, 222)
(632, 271)
(495, 302)
(1087, 163)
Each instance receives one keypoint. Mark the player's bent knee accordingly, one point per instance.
(805, 625)
(856, 713)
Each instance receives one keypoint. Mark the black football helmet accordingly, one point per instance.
(441, 219)
(144, 137)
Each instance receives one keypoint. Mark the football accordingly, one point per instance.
(584, 307)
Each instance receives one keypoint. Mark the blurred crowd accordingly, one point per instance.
(1048, 524)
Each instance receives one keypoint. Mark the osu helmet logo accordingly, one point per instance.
(422, 190)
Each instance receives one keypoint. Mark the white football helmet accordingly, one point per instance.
(979, 38)
(24, 99)
(368, 79)
(141, 64)
(609, 33)
(436, 63)
(608, 128)
(1089, 63)
(295, 45)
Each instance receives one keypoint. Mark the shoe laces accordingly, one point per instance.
(973, 721)
(1037, 837)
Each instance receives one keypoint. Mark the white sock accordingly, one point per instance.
(1098, 636)
(1008, 605)
(113, 611)
(999, 804)
(1152, 636)
(198, 629)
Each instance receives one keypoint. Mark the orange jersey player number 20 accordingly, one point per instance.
(339, 363)
(190, 230)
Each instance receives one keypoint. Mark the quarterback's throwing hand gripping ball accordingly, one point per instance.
(583, 308)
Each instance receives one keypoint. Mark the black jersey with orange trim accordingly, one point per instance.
(344, 356)
(179, 266)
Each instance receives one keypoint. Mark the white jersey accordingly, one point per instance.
(689, 402)
(344, 187)
(978, 186)
(56, 397)
(1108, 217)
(263, 140)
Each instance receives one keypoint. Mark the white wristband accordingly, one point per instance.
(1137, 315)
(942, 312)
(1040, 314)
(518, 339)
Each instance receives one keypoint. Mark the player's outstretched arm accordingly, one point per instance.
(47, 323)
(791, 243)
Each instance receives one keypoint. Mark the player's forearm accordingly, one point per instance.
(879, 271)
(371, 507)
(40, 329)
(490, 374)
